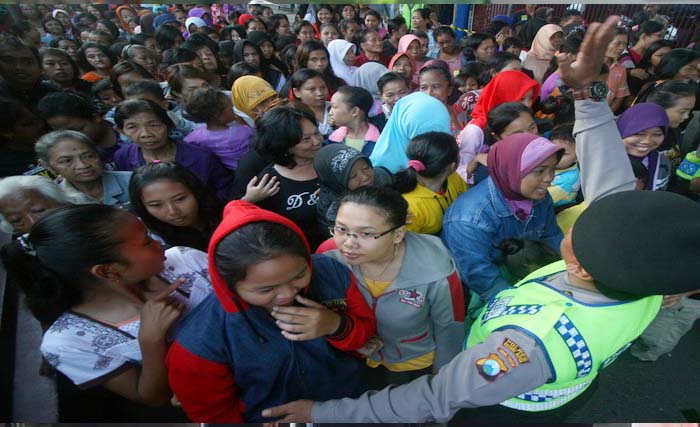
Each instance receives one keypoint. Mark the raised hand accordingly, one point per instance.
(256, 191)
(306, 323)
(586, 68)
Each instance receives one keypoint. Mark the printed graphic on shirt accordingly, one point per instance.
(296, 201)
(491, 367)
(411, 297)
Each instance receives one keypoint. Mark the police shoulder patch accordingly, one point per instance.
(491, 367)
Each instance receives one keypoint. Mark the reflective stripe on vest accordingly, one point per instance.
(545, 400)
(689, 167)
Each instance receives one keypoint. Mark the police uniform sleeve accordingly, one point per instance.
(508, 363)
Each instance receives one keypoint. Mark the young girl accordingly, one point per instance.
(147, 125)
(435, 80)
(349, 111)
(314, 55)
(567, 178)
(223, 131)
(174, 204)
(430, 184)
(310, 88)
(304, 31)
(411, 46)
(278, 325)
(60, 68)
(329, 32)
(392, 87)
(402, 63)
(97, 60)
(419, 310)
(643, 129)
(110, 301)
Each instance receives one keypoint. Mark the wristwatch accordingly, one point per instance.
(596, 91)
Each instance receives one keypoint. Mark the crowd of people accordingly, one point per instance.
(217, 208)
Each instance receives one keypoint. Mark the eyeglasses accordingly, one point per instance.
(338, 231)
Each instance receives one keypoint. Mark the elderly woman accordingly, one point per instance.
(24, 199)
(73, 156)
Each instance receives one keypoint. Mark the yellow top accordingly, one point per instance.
(427, 207)
(377, 288)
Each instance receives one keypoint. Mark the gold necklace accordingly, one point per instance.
(391, 261)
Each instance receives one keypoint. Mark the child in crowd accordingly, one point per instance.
(567, 178)
(350, 107)
(392, 87)
(466, 82)
(278, 326)
(430, 183)
(148, 125)
(223, 132)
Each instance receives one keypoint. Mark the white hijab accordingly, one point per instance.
(337, 50)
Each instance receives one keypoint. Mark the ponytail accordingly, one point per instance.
(429, 155)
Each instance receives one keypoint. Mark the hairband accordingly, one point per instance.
(417, 165)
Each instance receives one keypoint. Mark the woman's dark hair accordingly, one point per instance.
(104, 49)
(674, 61)
(140, 38)
(500, 117)
(256, 20)
(50, 51)
(288, 55)
(274, 21)
(394, 24)
(56, 40)
(151, 87)
(302, 58)
(278, 130)
(357, 97)
(252, 244)
(177, 56)
(210, 207)
(125, 67)
(131, 107)
(65, 103)
(645, 62)
(21, 28)
(297, 80)
(495, 27)
(205, 104)
(53, 278)
(240, 69)
(523, 257)
(513, 42)
(389, 77)
(436, 150)
(375, 14)
(388, 202)
(471, 44)
(51, 18)
(668, 93)
(563, 132)
(329, 8)
(117, 48)
(111, 27)
(495, 64)
(425, 14)
(445, 72)
(442, 30)
(166, 36)
(648, 27)
(571, 45)
(298, 25)
(176, 75)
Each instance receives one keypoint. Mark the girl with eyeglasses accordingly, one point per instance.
(419, 310)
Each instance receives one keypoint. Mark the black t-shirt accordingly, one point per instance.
(296, 201)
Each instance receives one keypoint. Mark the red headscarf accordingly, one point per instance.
(507, 86)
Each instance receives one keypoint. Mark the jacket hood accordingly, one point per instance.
(237, 214)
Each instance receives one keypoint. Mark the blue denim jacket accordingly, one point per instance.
(478, 221)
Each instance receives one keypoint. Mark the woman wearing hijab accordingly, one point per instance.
(64, 18)
(124, 14)
(197, 22)
(643, 129)
(405, 65)
(512, 203)
(507, 86)
(253, 96)
(245, 50)
(410, 45)
(547, 42)
(146, 24)
(340, 60)
(202, 13)
(366, 77)
(412, 115)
